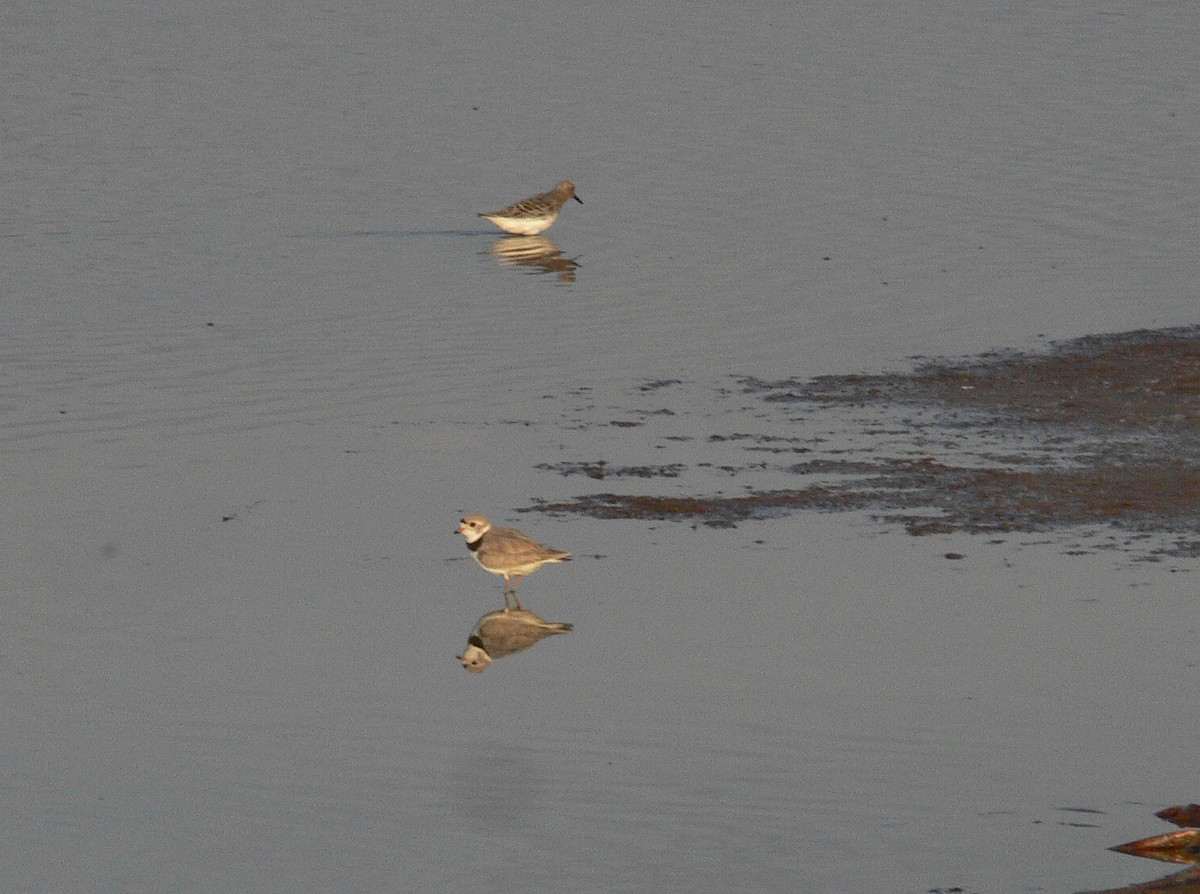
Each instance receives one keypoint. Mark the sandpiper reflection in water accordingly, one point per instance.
(537, 253)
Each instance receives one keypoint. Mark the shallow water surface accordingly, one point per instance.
(259, 356)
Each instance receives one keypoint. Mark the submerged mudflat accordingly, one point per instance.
(1100, 430)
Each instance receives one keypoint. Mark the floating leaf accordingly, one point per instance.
(1174, 847)
(1188, 815)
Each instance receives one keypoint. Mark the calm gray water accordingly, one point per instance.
(259, 356)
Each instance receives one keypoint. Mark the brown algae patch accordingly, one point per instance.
(717, 512)
(1103, 430)
(1146, 381)
(988, 499)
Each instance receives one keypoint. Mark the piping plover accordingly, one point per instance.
(530, 216)
(506, 551)
(503, 632)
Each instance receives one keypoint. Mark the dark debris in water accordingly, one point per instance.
(1100, 430)
(600, 470)
(656, 384)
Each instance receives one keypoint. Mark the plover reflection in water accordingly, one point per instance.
(504, 632)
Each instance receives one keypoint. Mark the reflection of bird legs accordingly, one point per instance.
(512, 588)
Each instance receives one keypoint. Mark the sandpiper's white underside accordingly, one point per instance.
(522, 226)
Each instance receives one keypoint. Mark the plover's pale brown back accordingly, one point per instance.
(506, 551)
(531, 216)
(503, 632)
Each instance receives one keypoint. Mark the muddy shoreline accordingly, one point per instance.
(1103, 430)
